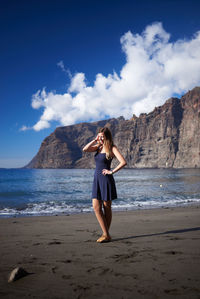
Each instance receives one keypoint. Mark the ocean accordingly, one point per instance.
(34, 192)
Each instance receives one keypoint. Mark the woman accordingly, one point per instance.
(104, 189)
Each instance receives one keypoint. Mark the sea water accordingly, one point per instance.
(27, 192)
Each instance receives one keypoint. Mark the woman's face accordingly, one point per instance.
(101, 137)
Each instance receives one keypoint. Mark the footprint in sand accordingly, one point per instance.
(100, 270)
(105, 270)
(93, 269)
(172, 291)
(53, 269)
(81, 288)
(65, 261)
(173, 252)
(123, 257)
(172, 280)
(134, 276)
(54, 243)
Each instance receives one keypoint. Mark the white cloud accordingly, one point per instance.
(155, 69)
(62, 66)
(77, 83)
(25, 128)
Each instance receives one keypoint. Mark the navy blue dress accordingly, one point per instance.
(103, 187)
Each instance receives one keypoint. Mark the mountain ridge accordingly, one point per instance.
(167, 137)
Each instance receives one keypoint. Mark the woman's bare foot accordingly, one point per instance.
(104, 239)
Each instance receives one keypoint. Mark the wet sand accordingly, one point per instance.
(153, 254)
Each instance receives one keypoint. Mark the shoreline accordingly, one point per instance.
(154, 253)
(90, 212)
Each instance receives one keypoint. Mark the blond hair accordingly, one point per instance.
(108, 142)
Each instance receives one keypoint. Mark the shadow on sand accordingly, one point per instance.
(178, 231)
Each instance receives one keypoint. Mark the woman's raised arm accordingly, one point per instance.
(90, 147)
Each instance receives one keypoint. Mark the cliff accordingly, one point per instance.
(169, 136)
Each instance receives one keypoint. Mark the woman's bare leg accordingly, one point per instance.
(108, 212)
(97, 206)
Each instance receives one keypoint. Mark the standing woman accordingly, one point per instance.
(104, 189)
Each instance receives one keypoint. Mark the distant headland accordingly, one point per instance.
(167, 137)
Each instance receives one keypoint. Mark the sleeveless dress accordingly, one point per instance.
(103, 187)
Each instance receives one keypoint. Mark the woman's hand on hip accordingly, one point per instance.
(106, 171)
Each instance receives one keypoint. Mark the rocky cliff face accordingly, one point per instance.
(169, 136)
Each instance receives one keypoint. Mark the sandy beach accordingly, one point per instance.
(153, 254)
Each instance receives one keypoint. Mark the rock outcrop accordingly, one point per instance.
(168, 137)
(17, 273)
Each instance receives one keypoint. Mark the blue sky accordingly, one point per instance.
(60, 47)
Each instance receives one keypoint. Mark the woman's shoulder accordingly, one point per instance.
(114, 147)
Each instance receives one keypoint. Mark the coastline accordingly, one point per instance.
(69, 191)
(154, 253)
(115, 209)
